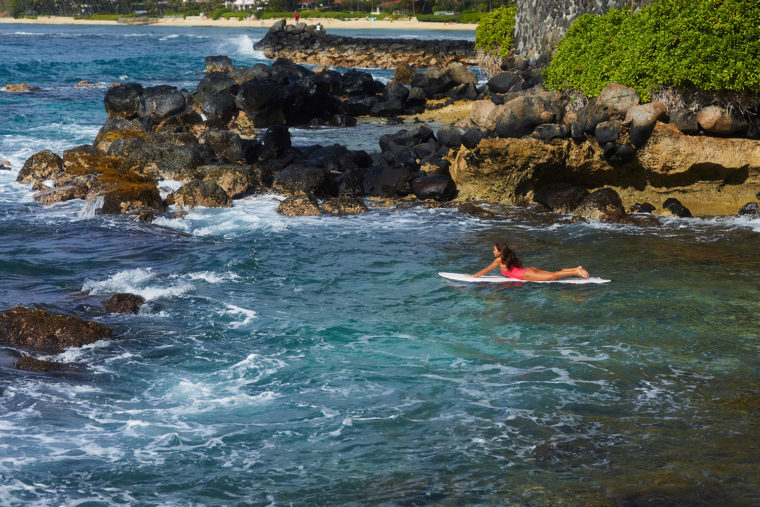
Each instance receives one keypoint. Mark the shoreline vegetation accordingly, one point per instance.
(200, 21)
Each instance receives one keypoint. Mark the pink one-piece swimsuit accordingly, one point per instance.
(513, 272)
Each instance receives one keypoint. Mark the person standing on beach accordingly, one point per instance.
(296, 16)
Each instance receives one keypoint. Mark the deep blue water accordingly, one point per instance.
(322, 361)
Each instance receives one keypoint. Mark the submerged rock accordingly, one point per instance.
(48, 332)
(560, 197)
(642, 208)
(299, 205)
(345, 206)
(124, 303)
(469, 208)
(603, 204)
(21, 87)
(674, 207)
(60, 194)
(237, 180)
(129, 197)
(28, 363)
(435, 186)
(749, 209)
(200, 193)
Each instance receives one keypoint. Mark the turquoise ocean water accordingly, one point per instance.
(308, 361)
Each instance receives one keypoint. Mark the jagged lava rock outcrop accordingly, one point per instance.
(710, 175)
(304, 43)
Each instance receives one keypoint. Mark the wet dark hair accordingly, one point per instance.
(508, 257)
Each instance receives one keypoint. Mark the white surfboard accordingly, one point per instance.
(458, 277)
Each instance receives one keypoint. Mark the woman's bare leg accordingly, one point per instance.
(539, 275)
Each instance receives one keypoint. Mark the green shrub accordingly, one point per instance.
(105, 17)
(711, 45)
(473, 17)
(432, 18)
(494, 33)
(239, 15)
(272, 15)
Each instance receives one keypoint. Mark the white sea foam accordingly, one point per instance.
(10, 191)
(166, 187)
(92, 207)
(212, 277)
(142, 282)
(256, 213)
(248, 315)
(199, 397)
(76, 129)
(242, 45)
(261, 366)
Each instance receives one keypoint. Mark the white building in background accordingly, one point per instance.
(242, 4)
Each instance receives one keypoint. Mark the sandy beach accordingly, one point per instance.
(363, 23)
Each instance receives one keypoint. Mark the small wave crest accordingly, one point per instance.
(256, 213)
(242, 45)
(143, 282)
(248, 315)
(146, 283)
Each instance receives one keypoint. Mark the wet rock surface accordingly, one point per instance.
(124, 303)
(48, 332)
(603, 204)
(201, 193)
(29, 363)
(345, 206)
(300, 205)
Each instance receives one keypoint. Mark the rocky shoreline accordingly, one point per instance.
(229, 138)
(707, 160)
(306, 44)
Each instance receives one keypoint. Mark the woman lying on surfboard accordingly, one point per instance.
(511, 265)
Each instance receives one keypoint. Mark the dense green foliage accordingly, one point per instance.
(494, 33)
(711, 45)
(27, 8)
(465, 17)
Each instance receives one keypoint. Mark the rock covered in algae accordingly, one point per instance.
(48, 332)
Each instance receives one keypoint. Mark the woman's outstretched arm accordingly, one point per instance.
(491, 267)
